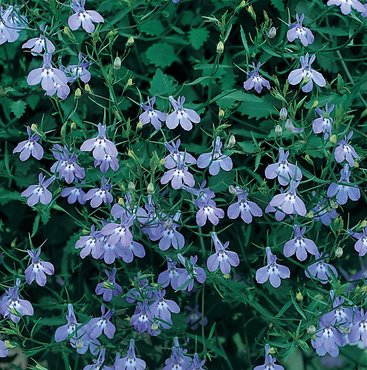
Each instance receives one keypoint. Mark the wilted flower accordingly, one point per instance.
(324, 123)
(321, 270)
(29, 147)
(100, 195)
(181, 116)
(102, 324)
(306, 74)
(361, 244)
(39, 44)
(109, 288)
(297, 31)
(272, 271)
(130, 361)
(82, 17)
(189, 273)
(38, 268)
(345, 152)
(222, 258)
(73, 195)
(39, 193)
(255, 80)
(152, 115)
(215, 160)
(346, 6)
(270, 362)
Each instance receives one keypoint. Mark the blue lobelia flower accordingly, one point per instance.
(130, 361)
(176, 155)
(78, 71)
(297, 31)
(270, 362)
(98, 362)
(11, 22)
(109, 288)
(4, 352)
(162, 309)
(189, 273)
(345, 152)
(102, 324)
(169, 276)
(321, 270)
(346, 6)
(255, 80)
(178, 358)
(82, 17)
(178, 176)
(151, 115)
(361, 244)
(38, 269)
(181, 116)
(29, 147)
(97, 196)
(358, 332)
(73, 195)
(324, 123)
(70, 328)
(39, 193)
(39, 44)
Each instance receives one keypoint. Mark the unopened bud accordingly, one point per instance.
(117, 63)
(155, 326)
(131, 186)
(364, 223)
(299, 297)
(121, 201)
(67, 31)
(139, 125)
(311, 329)
(73, 125)
(315, 104)
(272, 351)
(129, 82)
(339, 252)
(232, 190)
(226, 276)
(310, 214)
(251, 11)
(87, 88)
(220, 47)
(272, 32)
(283, 114)
(130, 41)
(242, 4)
(333, 139)
(356, 164)
(78, 93)
(231, 141)
(278, 130)
(221, 113)
(150, 188)
(34, 127)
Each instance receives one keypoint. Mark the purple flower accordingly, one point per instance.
(321, 270)
(297, 31)
(79, 71)
(222, 258)
(324, 123)
(306, 74)
(47, 75)
(323, 212)
(107, 162)
(142, 318)
(197, 363)
(162, 309)
(38, 269)
(97, 196)
(109, 288)
(148, 218)
(61, 90)
(73, 194)
(279, 215)
(358, 332)
(10, 24)
(169, 276)
(272, 271)
(255, 80)
(89, 244)
(83, 342)
(130, 361)
(102, 324)
(98, 362)
(3, 349)
(346, 6)
(361, 244)
(82, 17)
(69, 329)
(176, 156)
(289, 202)
(168, 235)
(39, 193)
(39, 44)
(29, 147)
(100, 145)
(328, 339)
(181, 116)
(189, 273)
(299, 245)
(345, 152)
(343, 189)
(151, 115)
(195, 317)
(109, 252)
(243, 206)
(178, 176)
(12, 306)
(270, 362)
(215, 160)
(178, 359)
(283, 170)
(119, 232)
(67, 164)
(341, 315)
(134, 249)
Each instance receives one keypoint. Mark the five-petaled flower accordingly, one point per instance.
(39, 193)
(38, 269)
(297, 31)
(29, 147)
(82, 17)
(255, 80)
(181, 116)
(346, 6)
(152, 115)
(345, 152)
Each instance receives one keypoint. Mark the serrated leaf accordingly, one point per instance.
(18, 108)
(197, 37)
(278, 4)
(161, 54)
(256, 107)
(152, 27)
(162, 84)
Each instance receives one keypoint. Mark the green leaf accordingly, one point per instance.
(152, 27)
(248, 147)
(256, 107)
(162, 84)
(161, 54)
(278, 4)
(18, 108)
(197, 37)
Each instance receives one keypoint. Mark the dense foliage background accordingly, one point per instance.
(202, 50)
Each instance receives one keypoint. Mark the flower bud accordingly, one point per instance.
(120, 201)
(356, 164)
(338, 252)
(155, 326)
(278, 130)
(283, 114)
(242, 4)
(333, 139)
(87, 88)
(299, 297)
(231, 141)
(272, 351)
(221, 113)
(67, 31)
(251, 11)
(150, 188)
(139, 125)
(226, 276)
(73, 125)
(311, 329)
(232, 190)
(310, 214)
(78, 93)
(131, 186)
(130, 41)
(315, 104)
(117, 63)
(272, 32)
(220, 47)
(34, 127)
(364, 223)
(129, 82)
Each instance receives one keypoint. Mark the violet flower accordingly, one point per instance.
(197, 363)
(342, 316)
(289, 202)
(100, 145)
(162, 309)
(178, 358)
(109, 252)
(89, 244)
(38, 269)
(195, 317)
(69, 329)
(169, 276)
(39, 193)
(272, 271)
(255, 80)
(283, 170)
(82, 17)
(98, 362)
(299, 245)
(361, 244)
(79, 71)
(12, 306)
(321, 270)
(152, 115)
(135, 249)
(178, 176)
(222, 258)
(243, 207)
(142, 318)
(181, 116)
(10, 25)
(38, 45)
(270, 362)
(29, 147)
(345, 152)
(97, 196)
(176, 156)
(148, 218)
(119, 232)
(130, 361)
(324, 123)
(343, 189)
(358, 332)
(102, 324)
(297, 31)
(323, 212)
(306, 75)
(109, 288)
(107, 162)
(215, 160)
(189, 273)
(346, 6)
(47, 75)
(4, 352)
(73, 195)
